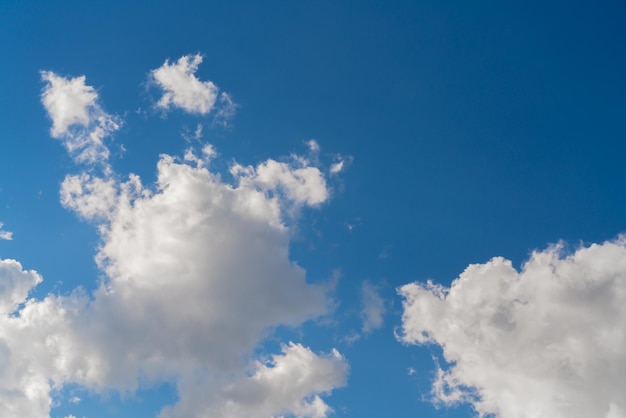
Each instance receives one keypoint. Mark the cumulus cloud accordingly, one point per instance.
(299, 182)
(178, 253)
(182, 89)
(546, 341)
(5, 235)
(15, 284)
(290, 384)
(373, 311)
(196, 274)
(77, 118)
(90, 197)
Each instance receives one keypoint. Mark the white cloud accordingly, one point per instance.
(68, 102)
(5, 235)
(547, 341)
(374, 308)
(15, 284)
(290, 384)
(197, 274)
(181, 248)
(77, 118)
(182, 89)
(91, 197)
(341, 164)
(23, 392)
(336, 167)
(300, 183)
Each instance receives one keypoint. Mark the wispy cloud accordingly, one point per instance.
(226, 110)
(5, 235)
(373, 308)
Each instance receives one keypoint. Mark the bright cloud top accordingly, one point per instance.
(546, 342)
(182, 89)
(77, 118)
(197, 274)
(5, 235)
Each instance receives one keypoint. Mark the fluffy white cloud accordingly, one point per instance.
(197, 274)
(289, 384)
(24, 391)
(547, 341)
(93, 198)
(205, 260)
(299, 182)
(374, 308)
(5, 235)
(182, 89)
(77, 118)
(68, 102)
(15, 284)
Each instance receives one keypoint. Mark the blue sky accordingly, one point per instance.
(357, 151)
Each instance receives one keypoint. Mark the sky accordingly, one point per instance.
(312, 209)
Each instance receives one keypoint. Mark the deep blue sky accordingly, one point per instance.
(475, 130)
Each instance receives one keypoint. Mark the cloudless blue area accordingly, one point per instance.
(476, 130)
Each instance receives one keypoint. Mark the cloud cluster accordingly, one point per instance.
(182, 89)
(196, 273)
(545, 342)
